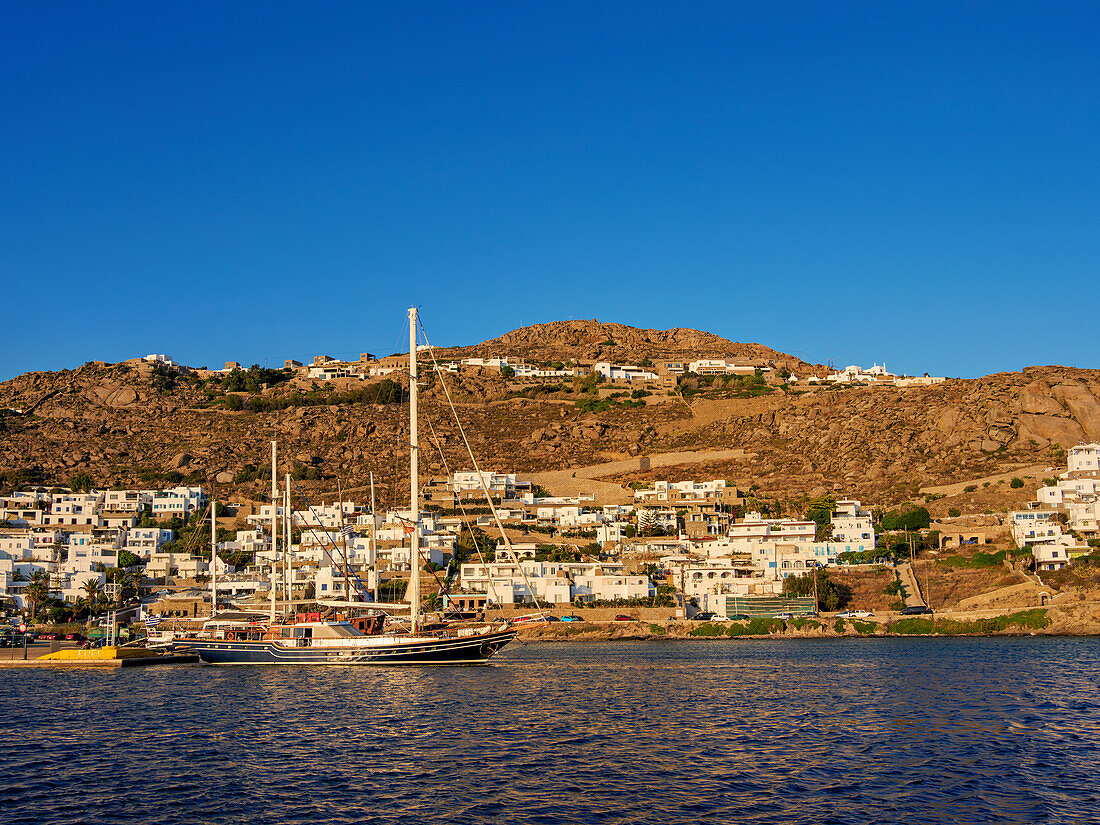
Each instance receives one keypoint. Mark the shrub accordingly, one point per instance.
(908, 517)
(970, 488)
(1035, 619)
(804, 623)
(978, 560)
(755, 627)
(954, 512)
(81, 483)
(708, 630)
(1016, 483)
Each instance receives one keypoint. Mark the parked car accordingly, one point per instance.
(532, 618)
(705, 616)
(739, 617)
(572, 618)
(49, 637)
(915, 610)
(854, 614)
(623, 618)
(783, 616)
(73, 637)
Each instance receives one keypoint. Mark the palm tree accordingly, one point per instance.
(132, 581)
(93, 590)
(37, 591)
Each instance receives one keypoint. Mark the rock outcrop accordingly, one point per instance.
(127, 425)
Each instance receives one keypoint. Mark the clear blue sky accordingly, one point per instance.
(857, 181)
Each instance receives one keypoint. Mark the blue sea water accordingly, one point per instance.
(814, 731)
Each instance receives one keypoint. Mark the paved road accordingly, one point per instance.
(913, 595)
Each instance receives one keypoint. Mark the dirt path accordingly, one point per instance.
(707, 411)
(1035, 471)
(585, 480)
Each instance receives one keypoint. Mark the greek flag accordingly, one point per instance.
(152, 621)
(346, 530)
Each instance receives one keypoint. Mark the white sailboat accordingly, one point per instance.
(345, 643)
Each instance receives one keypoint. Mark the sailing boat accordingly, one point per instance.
(318, 642)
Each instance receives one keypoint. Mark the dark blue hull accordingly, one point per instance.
(467, 650)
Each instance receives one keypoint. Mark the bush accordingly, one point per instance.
(970, 488)
(708, 630)
(908, 517)
(954, 512)
(1035, 619)
(828, 596)
(978, 560)
(755, 627)
(1016, 483)
(234, 403)
(81, 483)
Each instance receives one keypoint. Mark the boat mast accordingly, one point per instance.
(414, 500)
(373, 528)
(344, 544)
(213, 562)
(274, 510)
(287, 540)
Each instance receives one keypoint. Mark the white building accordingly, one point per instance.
(682, 491)
(178, 501)
(852, 524)
(505, 485)
(1084, 458)
(144, 541)
(77, 509)
(1032, 527)
(622, 373)
(163, 360)
(717, 366)
(511, 582)
(127, 501)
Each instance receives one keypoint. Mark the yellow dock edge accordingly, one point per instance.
(109, 653)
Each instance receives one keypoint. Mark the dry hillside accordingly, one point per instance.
(126, 424)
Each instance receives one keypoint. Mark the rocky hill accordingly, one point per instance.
(132, 424)
(594, 341)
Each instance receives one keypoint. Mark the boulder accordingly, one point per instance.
(1044, 429)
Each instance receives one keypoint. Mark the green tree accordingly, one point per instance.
(81, 483)
(1016, 483)
(128, 559)
(93, 592)
(828, 594)
(37, 591)
(908, 517)
(507, 372)
(820, 512)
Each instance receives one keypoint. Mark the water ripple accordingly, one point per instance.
(868, 731)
